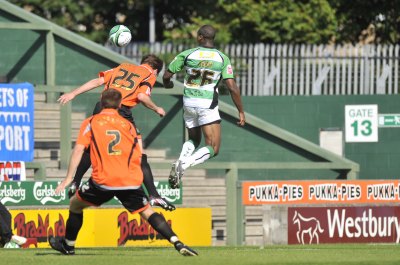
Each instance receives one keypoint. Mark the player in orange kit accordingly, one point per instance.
(135, 83)
(115, 156)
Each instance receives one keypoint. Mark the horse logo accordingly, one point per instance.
(307, 226)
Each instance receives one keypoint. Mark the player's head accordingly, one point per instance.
(206, 34)
(111, 99)
(152, 60)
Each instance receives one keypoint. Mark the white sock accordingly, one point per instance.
(173, 239)
(187, 149)
(70, 243)
(200, 156)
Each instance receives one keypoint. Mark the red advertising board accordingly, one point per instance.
(316, 225)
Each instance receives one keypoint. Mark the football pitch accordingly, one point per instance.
(310, 254)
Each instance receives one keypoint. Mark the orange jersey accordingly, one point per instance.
(130, 80)
(114, 151)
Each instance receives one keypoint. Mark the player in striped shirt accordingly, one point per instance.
(204, 68)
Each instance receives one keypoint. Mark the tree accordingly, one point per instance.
(237, 21)
(90, 18)
(356, 16)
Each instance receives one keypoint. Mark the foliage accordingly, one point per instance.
(91, 18)
(374, 21)
(281, 21)
(238, 21)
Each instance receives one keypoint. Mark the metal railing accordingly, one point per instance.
(289, 69)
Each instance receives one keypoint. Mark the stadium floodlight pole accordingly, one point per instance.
(152, 23)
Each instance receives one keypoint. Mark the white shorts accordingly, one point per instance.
(195, 117)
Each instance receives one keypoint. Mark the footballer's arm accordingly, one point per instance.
(148, 103)
(235, 95)
(74, 161)
(92, 84)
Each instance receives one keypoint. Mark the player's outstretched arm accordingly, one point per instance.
(235, 95)
(148, 103)
(73, 165)
(82, 89)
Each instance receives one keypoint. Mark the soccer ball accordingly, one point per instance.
(120, 36)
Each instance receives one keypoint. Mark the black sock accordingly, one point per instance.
(83, 166)
(74, 224)
(148, 179)
(158, 222)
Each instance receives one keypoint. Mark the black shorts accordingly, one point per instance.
(132, 200)
(124, 111)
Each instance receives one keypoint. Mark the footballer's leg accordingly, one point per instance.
(148, 181)
(88, 195)
(83, 167)
(176, 173)
(74, 223)
(135, 201)
(212, 139)
(158, 222)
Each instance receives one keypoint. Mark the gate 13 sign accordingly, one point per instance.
(361, 123)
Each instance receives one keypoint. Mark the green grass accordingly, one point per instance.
(314, 254)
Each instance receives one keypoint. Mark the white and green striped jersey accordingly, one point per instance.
(204, 68)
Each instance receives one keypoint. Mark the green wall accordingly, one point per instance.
(302, 115)
(306, 115)
(23, 58)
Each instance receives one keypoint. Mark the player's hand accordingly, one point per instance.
(160, 111)
(170, 84)
(65, 98)
(62, 186)
(242, 119)
(161, 202)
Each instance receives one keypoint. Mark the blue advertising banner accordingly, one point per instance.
(16, 122)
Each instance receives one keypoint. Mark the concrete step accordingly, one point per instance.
(52, 134)
(200, 192)
(205, 182)
(253, 213)
(49, 164)
(41, 153)
(204, 202)
(155, 154)
(189, 174)
(39, 97)
(57, 174)
(253, 232)
(54, 124)
(47, 106)
(55, 115)
(253, 210)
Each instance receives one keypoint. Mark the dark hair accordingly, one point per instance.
(110, 99)
(207, 31)
(152, 60)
